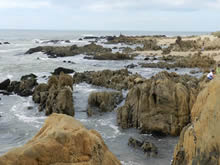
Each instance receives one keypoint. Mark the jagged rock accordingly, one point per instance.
(4, 84)
(56, 95)
(24, 87)
(195, 61)
(58, 70)
(199, 141)
(58, 51)
(62, 140)
(147, 147)
(131, 66)
(160, 105)
(119, 79)
(103, 102)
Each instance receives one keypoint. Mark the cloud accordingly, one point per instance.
(31, 4)
(175, 5)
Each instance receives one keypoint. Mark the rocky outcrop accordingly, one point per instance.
(58, 51)
(58, 70)
(147, 147)
(119, 79)
(199, 141)
(62, 140)
(103, 102)
(56, 95)
(160, 105)
(24, 87)
(195, 61)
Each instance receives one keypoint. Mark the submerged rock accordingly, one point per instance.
(58, 70)
(62, 140)
(160, 105)
(199, 141)
(56, 95)
(103, 102)
(147, 147)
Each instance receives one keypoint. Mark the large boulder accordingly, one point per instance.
(160, 105)
(103, 102)
(56, 96)
(199, 141)
(61, 141)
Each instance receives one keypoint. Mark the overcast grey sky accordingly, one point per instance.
(145, 15)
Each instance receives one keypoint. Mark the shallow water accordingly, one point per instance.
(18, 124)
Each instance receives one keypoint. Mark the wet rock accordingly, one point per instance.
(147, 147)
(131, 66)
(58, 70)
(90, 37)
(62, 139)
(6, 43)
(194, 71)
(80, 39)
(56, 95)
(147, 58)
(58, 51)
(4, 84)
(24, 87)
(103, 102)
(119, 79)
(199, 141)
(160, 105)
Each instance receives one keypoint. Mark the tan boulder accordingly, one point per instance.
(199, 142)
(103, 102)
(159, 105)
(55, 96)
(62, 141)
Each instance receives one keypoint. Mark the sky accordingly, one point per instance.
(138, 15)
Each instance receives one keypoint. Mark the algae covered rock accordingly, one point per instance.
(62, 140)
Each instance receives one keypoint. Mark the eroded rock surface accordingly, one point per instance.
(160, 105)
(119, 79)
(56, 95)
(61, 141)
(199, 141)
(103, 102)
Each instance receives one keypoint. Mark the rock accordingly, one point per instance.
(30, 108)
(80, 39)
(147, 58)
(62, 140)
(131, 66)
(160, 105)
(24, 87)
(58, 70)
(57, 51)
(60, 101)
(119, 79)
(199, 141)
(90, 37)
(4, 84)
(103, 102)
(195, 61)
(147, 147)
(56, 95)
(6, 43)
